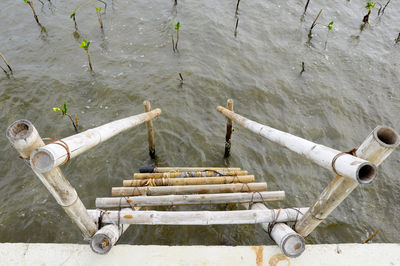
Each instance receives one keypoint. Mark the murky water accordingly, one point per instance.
(345, 91)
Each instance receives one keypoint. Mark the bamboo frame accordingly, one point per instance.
(179, 190)
(24, 138)
(138, 176)
(189, 181)
(129, 216)
(347, 165)
(380, 143)
(192, 169)
(169, 200)
(150, 131)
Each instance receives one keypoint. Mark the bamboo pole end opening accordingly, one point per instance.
(42, 160)
(366, 173)
(20, 129)
(101, 244)
(220, 109)
(293, 245)
(387, 136)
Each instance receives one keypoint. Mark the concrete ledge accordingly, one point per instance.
(73, 254)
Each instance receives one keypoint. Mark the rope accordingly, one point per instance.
(351, 152)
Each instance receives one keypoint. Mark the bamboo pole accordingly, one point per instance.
(229, 129)
(380, 143)
(169, 200)
(291, 243)
(188, 174)
(54, 154)
(24, 138)
(104, 239)
(344, 164)
(129, 216)
(189, 181)
(150, 131)
(192, 169)
(5, 61)
(179, 190)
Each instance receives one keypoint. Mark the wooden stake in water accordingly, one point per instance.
(229, 130)
(5, 62)
(150, 131)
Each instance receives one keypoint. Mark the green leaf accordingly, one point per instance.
(330, 25)
(72, 14)
(87, 45)
(177, 25)
(56, 109)
(64, 110)
(27, 1)
(98, 9)
(369, 6)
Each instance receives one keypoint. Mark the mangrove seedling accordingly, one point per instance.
(369, 7)
(85, 45)
(30, 3)
(302, 68)
(98, 10)
(63, 110)
(236, 26)
(398, 38)
(72, 16)
(305, 8)
(5, 62)
(330, 28)
(313, 25)
(75, 11)
(237, 7)
(177, 26)
(382, 10)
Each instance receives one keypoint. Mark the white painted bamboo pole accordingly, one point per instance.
(291, 243)
(168, 200)
(24, 138)
(150, 131)
(104, 239)
(52, 155)
(137, 176)
(229, 130)
(380, 143)
(129, 216)
(189, 181)
(192, 169)
(203, 189)
(345, 164)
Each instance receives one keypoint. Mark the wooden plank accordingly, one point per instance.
(188, 174)
(129, 216)
(179, 190)
(189, 181)
(222, 198)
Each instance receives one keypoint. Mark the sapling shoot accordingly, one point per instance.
(236, 26)
(180, 78)
(30, 3)
(237, 7)
(72, 16)
(305, 9)
(5, 62)
(177, 26)
(398, 38)
(302, 68)
(369, 7)
(98, 10)
(330, 28)
(313, 25)
(63, 110)
(383, 9)
(75, 11)
(85, 45)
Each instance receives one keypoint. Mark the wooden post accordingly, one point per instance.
(150, 131)
(129, 216)
(291, 243)
(358, 169)
(54, 154)
(179, 190)
(189, 181)
(25, 138)
(168, 200)
(229, 129)
(377, 146)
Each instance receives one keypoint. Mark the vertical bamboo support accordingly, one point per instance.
(150, 131)
(229, 128)
(380, 143)
(290, 243)
(24, 138)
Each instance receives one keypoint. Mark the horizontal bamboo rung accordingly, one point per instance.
(191, 169)
(129, 216)
(189, 181)
(167, 200)
(188, 174)
(190, 189)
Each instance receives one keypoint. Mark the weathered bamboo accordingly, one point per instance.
(188, 174)
(179, 190)
(150, 131)
(129, 216)
(192, 169)
(377, 146)
(25, 138)
(167, 200)
(104, 239)
(344, 164)
(54, 154)
(189, 181)
(229, 129)
(291, 243)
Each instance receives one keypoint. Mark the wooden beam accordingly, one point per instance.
(188, 174)
(150, 131)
